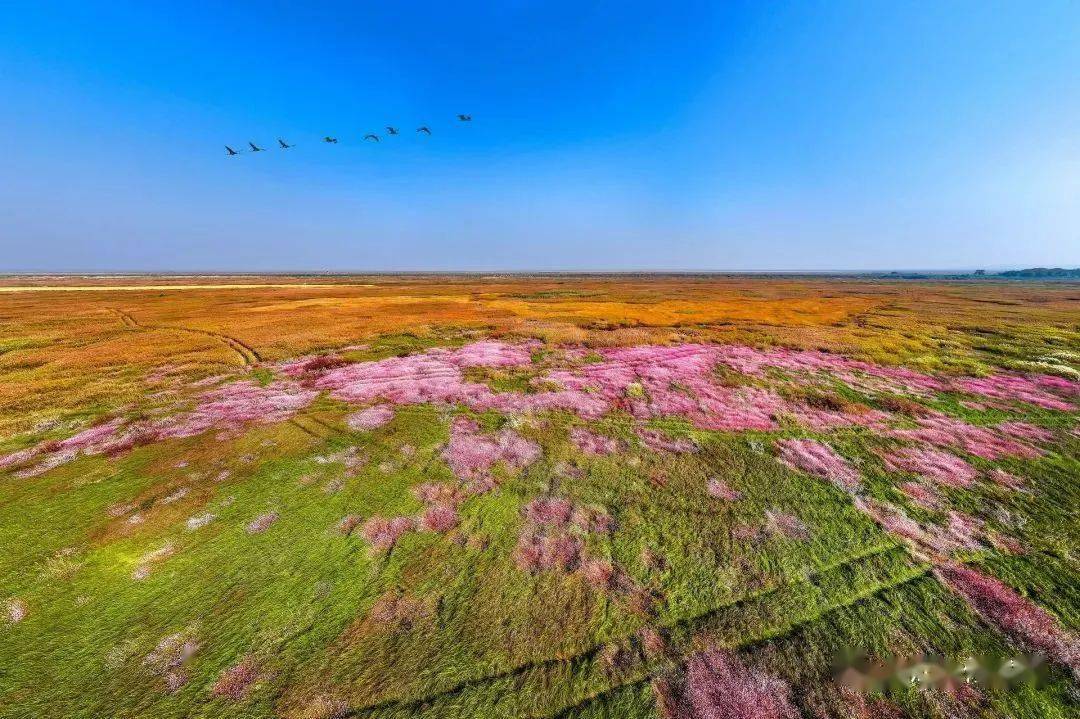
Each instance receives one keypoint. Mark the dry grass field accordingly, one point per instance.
(546, 496)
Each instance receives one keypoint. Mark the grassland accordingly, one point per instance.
(533, 497)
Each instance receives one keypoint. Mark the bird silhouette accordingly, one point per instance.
(231, 151)
(424, 129)
(391, 130)
(255, 148)
(371, 137)
(284, 145)
(465, 118)
(330, 139)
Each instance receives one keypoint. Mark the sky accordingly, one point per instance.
(626, 135)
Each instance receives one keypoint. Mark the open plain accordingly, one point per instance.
(669, 496)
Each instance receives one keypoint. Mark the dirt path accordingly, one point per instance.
(247, 354)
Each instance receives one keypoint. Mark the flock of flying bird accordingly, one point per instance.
(333, 140)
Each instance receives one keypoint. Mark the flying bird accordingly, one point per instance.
(255, 148)
(371, 137)
(330, 139)
(284, 145)
(231, 151)
(423, 129)
(391, 130)
(465, 118)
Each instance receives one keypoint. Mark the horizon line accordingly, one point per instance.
(498, 271)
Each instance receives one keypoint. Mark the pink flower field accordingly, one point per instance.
(663, 519)
(673, 381)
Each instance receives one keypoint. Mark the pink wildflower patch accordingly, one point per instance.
(348, 523)
(599, 573)
(1040, 390)
(472, 454)
(718, 489)
(384, 533)
(233, 405)
(591, 443)
(717, 685)
(592, 520)
(1004, 479)
(370, 418)
(962, 531)
(894, 521)
(20, 457)
(235, 682)
(923, 496)
(89, 440)
(439, 519)
(965, 529)
(98, 439)
(435, 376)
(552, 511)
(861, 375)
(262, 522)
(659, 441)
(227, 407)
(819, 460)
(785, 524)
(537, 551)
(979, 441)
(433, 494)
(1016, 616)
(932, 464)
(491, 353)
(1026, 431)
(822, 420)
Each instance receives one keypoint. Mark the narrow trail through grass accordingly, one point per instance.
(248, 355)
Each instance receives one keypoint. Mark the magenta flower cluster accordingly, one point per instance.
(659, 441)
(384, 533)
(941, 467)
(552, 537)
(370, 418)
(1016, 616)
(937, 541)
(982, 442)
(592, 443)
(471, 454)
(820, 460)
(717, 685)
(719, 489)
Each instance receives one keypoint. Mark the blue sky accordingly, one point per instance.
(606, 135)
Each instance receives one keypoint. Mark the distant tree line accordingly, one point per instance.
(1043, 272)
